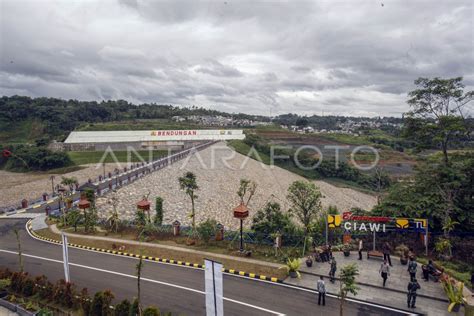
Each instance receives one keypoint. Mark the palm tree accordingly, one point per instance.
(188, 183)
(70, 182)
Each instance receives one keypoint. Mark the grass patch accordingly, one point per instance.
(89, 157)
(177, 255)
(21, 132)
(244, 149)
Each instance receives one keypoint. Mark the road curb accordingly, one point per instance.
(233, 272)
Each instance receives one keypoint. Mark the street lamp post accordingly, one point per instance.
(241, 212)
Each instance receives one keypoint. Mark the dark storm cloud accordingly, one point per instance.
(340, 57)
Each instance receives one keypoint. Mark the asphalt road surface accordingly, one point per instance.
(177, 289)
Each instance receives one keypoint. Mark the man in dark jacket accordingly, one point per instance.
(332, 271)
(412, 268)
(386, 249)
(413, 286)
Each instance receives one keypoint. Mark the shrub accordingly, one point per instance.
(207, 229)
(151, 311)
(17, 281)
(134, 309)
(4, 283)
(292, 265)
(123, 308)
(64, 293)
(159, 211)
(28, 287)
(101, 303)
(140, 218)
(85, 302)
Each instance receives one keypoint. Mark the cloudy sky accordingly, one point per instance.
(261, 57)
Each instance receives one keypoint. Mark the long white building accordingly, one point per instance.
(155, 139)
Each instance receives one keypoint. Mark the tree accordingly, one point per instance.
(437, 112)
(69, 182)
(347, 284)
(20, 257)
(114, 218)
(158, 220)
(138, 269)
(380, 176)
(189, 184)
(271, 220)
(246, 186)
(73, 218)
(305, 199)
(438, 192)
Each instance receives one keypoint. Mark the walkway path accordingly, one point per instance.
(431, 297)
(55, 230)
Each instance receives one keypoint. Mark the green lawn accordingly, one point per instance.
(20, 132)
(88, 157)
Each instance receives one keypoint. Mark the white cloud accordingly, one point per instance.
(344, 57)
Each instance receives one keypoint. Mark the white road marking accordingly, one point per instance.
(243, 277)
(145, 279)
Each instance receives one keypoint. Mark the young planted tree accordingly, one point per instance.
(437, 114)
(305, 199)
(189, 185)
(138, 269)
(20, 257)
(114, 218)
(347, 284)
(246, 190)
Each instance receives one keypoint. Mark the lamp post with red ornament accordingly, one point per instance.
(241, 212)
(144, 205)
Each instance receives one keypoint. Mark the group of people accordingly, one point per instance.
(384, 270)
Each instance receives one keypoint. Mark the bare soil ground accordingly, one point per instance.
(15, 187)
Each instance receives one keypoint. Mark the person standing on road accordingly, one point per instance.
(322, 291)
(384, 271)
(332, 271)
(412, 268)
(361, 246)
(386, 249)
(413, 286)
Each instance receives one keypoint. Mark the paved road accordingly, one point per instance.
(172, 288)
